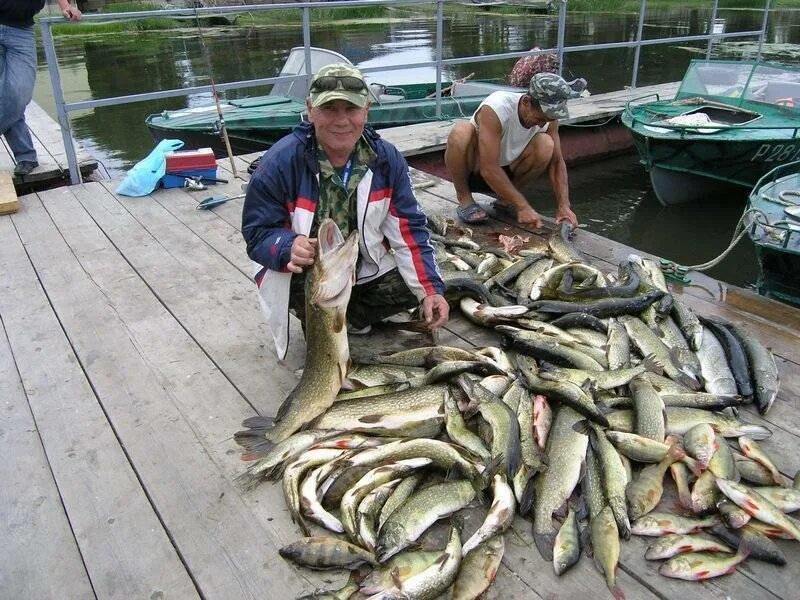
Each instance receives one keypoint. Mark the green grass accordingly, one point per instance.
(149, 24)
(123, 7)
(323, 15)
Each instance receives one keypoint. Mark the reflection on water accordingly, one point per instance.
(613, 199)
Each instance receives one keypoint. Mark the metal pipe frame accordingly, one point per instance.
(64, 108)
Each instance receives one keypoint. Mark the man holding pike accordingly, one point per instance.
(510, 140)
(337, 166)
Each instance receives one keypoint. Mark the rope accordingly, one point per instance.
(738, 233)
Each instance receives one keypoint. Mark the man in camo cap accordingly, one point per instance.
(336, 166)
(510, 140)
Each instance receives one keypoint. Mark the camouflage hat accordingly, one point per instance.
(341, 82)
(552, 92)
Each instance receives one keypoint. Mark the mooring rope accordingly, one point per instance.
(672, 267)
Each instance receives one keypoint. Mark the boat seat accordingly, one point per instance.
(780, 90)
(379, 92)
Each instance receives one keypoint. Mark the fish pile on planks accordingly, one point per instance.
(602, 384)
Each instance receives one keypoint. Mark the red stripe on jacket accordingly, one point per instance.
(382, 194)
(305, 204)
(416, 255)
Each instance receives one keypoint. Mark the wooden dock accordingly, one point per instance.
(132, 347)
(53, 169)
(425, 138)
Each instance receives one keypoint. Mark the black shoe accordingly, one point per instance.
(24, 167)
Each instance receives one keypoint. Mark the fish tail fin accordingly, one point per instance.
(583, 426)
(617, 593)
(528, 496)
(253, 438)
(544, 544)
(652, 364)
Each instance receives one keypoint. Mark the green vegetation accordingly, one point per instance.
(123, 7)
(322, 15)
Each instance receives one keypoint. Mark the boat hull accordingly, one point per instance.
(687, 170)
(774, 228)
(779, 274)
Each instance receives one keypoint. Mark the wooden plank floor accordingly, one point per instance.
(423, 138)
(132, 347)
(53, 168)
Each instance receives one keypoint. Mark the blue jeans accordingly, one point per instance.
(17, 76)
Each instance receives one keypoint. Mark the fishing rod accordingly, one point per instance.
(222, 129)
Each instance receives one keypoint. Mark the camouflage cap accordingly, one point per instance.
(337, 70)
(552, 92)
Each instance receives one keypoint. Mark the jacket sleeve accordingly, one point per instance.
(266, 222)
(406, 229)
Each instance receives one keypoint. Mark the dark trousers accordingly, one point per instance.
(369, 303)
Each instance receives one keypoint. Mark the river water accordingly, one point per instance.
(612, 198)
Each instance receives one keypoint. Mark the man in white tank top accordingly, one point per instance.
(511, 139)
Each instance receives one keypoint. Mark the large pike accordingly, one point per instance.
(328, 288)
(762, 367)
(419, 512)
(714, 366)
(566, 449)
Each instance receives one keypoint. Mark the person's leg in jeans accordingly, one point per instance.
(17, 77)
(378, 299)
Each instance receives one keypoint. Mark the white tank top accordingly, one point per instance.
(515, 136)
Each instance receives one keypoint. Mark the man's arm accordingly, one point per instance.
(490, 132)
(405, 229)
(557, 172)
(70, 12)
(266, 223)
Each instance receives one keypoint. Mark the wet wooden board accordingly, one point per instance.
(122, 544)
(423, 138)
(41, 561)
(53, 168)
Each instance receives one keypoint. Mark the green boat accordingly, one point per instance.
(255, 123)
(730, 123)
(773, 224)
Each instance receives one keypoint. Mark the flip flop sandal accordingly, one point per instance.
(468, 214)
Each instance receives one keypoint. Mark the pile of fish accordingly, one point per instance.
(601, 384)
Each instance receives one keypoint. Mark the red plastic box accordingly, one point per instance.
(195, 163)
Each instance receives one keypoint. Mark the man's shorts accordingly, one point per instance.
(477, 183)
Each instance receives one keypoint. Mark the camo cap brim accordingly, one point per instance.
(552, 92)
(360, 99)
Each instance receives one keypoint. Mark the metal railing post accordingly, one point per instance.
(439, 45)
(58, 96)
(562, 25)
(711, 21)
(307, 44)
(763, 29)
(637, 52)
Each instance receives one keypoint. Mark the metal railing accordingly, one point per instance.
(64, 108)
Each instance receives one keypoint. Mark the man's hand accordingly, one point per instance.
(435, 310)
(304, 250)
(528, 216)
(70, 12)
(565, 214)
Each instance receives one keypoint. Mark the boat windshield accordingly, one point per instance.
(296, 65)
(732, 82)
